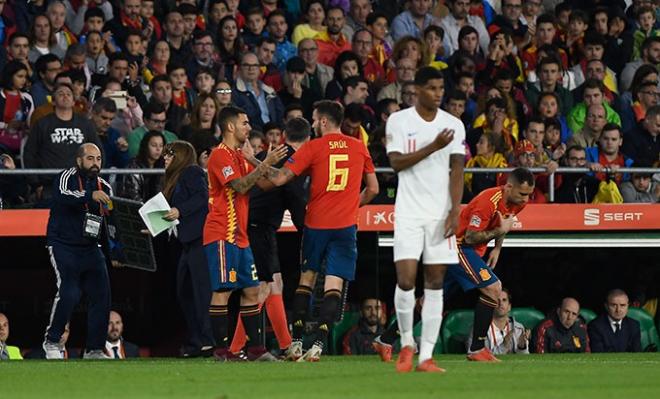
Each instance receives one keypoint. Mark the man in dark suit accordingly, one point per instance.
(614, 331)
(115, 346)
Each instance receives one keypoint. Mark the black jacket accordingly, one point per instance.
(641, 146)
(577, 189)
(191, 197)
(72, 200)
(603, 338)
(552, 337)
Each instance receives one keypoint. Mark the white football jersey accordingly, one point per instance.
(423, 190)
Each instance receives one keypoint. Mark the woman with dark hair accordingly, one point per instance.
(186, 190)
(315, 18)
(16, 106)
(202, 132)
(230, 45)
(348, 64)
(141, 187)
(222, 92)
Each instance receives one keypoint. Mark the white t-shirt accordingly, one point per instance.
(423, 190)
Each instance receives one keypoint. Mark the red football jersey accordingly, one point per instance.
(228, 210)
(481, 214)
(336, 164)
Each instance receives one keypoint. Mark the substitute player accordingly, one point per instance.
(337, 165)
(226, 244)
(490, 215)
(425, 146)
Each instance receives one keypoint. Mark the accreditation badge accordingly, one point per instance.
(92, 225)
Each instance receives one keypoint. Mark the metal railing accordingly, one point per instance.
(551, 176)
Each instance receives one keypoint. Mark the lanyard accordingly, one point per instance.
(98, 185)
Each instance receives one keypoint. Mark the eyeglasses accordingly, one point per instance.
(250, 65)
(222, 91)
(650, 93)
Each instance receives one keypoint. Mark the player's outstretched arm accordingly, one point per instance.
(400, 161)
(244, 184)
(456, 162)
(370, 190)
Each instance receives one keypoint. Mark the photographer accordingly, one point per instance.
(75, 235)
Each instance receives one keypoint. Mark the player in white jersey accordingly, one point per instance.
(425, 146)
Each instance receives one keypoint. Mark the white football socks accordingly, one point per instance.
(431, 321)
(404, 303)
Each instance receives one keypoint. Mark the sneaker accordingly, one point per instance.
(53, 351)
(205, 351)
(96, 354)
(404, 363)
(482, 355)
(225, 355)
(384, 350)
(294, 351)
(260, 354)
(313, 354)
(429, 366)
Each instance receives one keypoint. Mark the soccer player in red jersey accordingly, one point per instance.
(490, 215)
(337, 165)
(225, 239)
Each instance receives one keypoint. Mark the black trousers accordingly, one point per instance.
(80, 270)
(194, 294)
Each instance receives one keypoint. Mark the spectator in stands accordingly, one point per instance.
(592, 66)
(255, 27)
(495, 116)
(47, 68)
(355, 120)
(358, 339)
(642, 143)
(549, 70)
(158, 62)
(563, 332)
(222, 93)
(67, 353)
(42, 39)
(204, 81)
(129, 18)
(650, 55)
(174, 35)
(16, 106)
(356, 90)
(17, 49)
(203, 132)
(56, 13)
(645, 16)
(545, 33)
(115, 345)
(405, 72)
(576, 188)
(510, 20)
(317, 75)
(141, 187)
(615, 331)
(161, 93)
(294, 91)
(510, 123)
(203, 51)
(413, 21)
(608, 155)
(505, 335)
(115, 146)
(332, 43)
(269, 74)
(486, 157)
(54, 140)
(293, 111)
(315, 16)
(552, 144)
(458, 18)
(594, 93)
(588, 136)
(641, 188)
(7, 352)
(644, 95)
(230, 45)
(277, 29)
(182, 95)
(154, 119)
(258, 99)
(382, 49)
(363, 43)
(357, 17)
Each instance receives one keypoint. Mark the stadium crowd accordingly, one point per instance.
(536, 84)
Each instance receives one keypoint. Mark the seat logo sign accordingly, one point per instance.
(591, 217)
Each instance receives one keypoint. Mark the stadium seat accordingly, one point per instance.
(528, 317)
(455, 330)
(647, 327)
(340, 329)
(587, 315)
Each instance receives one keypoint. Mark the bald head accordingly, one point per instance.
(89, 159)
(568, 312)
(115, 327)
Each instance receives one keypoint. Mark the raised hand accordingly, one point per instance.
(101, 197)
(506, 223)
(275, 154)
(443, 138)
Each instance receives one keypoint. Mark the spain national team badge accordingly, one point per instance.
(576, 342)
(232, 276)
(483, 273)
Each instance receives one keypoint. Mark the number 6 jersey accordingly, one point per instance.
(336, 164)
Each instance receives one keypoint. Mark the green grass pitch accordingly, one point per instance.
(618, 376)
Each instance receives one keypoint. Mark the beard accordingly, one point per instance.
(91, 172)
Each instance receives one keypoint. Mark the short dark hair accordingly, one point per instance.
(547, 94)
(434, 28)
(252, 11)
(275, 13)
(152, 108)
(552, 122)
(381, 106)
(563, 6)
(521, 175)
(268, 40)
(331, 110)
(104, 104)
(594, 84)
(174, 65)
(579, 15)
(270, 126)
(646, 44)
(353, 82)
(637, 89)
(17, 35)
(354, 112)
(360, 31)
(593, 38)
(200, 34)
(550, 59)
(75, 49)
(546, 18)
(297, 130)
(499, 102)
(94, 12)
(535, 119)
(187, 9)
(374, 16)
(503, 74)
(117, 56)
(8, 72)
(42, 62)
(159, 78)
(456, 95)
(427, 73)
(612, 126)
(228, 115)
(574, 147)
(293, 107)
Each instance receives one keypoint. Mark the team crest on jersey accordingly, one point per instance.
(576, 342)
(475, 221)
(232, 276)
(227, 171)
(484, 274)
